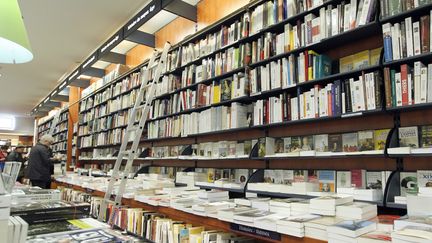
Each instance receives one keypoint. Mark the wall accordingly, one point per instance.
(23, 126)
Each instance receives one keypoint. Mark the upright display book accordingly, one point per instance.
(343, 179)
(366, 140)
(307, 143)
(321, 143)
(335, 142)
(380, 138)
(327, 180)
(408, 137)
(426, 136)
(424, 178)
(408, 183)
(350, 142)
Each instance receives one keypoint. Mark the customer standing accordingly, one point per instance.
(17, 155)
(40, 163)
(3, 155)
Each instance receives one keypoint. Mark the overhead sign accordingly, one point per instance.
(143, 16)
(90, 61)
(111, 43)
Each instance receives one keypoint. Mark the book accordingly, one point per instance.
(366, 140)
(321, 143)
(307, 143)
(380, 138)
(408, 137)
(327, 180)
(352, 228)
(374, 180)
(426, 136)
(343, 179)
(358, 178)
(408, 183)
(335, 142)
(350, 142)
(424, 178)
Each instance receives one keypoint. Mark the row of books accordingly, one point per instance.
(414, 139)
(114, 136)
(204, 95)
(394, 7)
(407, 85)
(212, 119)
(118, 70)
(156, 227)
(220, 149)
(59, 146)
(406, 39)
(324, 144)
(104, 123)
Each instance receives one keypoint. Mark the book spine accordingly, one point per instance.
(404, 83)
(425, 33)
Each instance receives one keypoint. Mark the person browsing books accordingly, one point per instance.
(40, 163)
(17, 155)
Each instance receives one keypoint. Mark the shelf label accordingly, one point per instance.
(143, 16)
(90, 61)
(255, 231)
(74, 75)
(112, 42)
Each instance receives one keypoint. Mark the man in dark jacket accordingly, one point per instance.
(40, 163)
(16, 155)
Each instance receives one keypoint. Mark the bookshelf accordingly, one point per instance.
(43, 127)
(365, 37)
(60, 134)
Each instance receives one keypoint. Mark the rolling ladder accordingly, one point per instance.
(135, 130)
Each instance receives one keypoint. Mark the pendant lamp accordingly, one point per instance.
(14, 44)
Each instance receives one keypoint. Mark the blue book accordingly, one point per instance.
(388, 51)
(324, 66)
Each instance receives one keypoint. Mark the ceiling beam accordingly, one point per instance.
(94, 72)
(113, 57)
(52, 104)
(181, 9)
(81, 83)
(141, 38)
(60, 97)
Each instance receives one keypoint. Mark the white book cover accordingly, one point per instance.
(395, 43)
(424, 178)
(343, 179)
(429, 84)
(322, 24)
(352, 14)
(409, 37)
(416, 38)
(334, 21)
(398, 85)
(423, 84)
(347, 19)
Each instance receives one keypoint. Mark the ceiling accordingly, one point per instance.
(62, 33)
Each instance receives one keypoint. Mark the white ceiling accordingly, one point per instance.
(62, 34)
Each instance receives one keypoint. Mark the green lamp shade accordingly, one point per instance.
(14, 44)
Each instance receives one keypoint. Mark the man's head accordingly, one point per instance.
(46, 140)
(19, 149)
(4, 148)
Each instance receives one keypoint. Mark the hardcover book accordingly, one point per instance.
(343, 179)
(426, 136)
(366, 140)
(321, 143)
(335, 142)
(424, 178)
(374, 180)
(408, 183)
(307, 143)
(279, 145)
(380, 137)
(350, 142)
(408, 137)
(327, 180)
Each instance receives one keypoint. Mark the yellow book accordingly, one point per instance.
(374, 56)
(380, 137)
(291, 40)
(210, 174)
(216, 94)
(346, 64)
(80, 224)
(361, 60)
(310, 73)
(196, 230)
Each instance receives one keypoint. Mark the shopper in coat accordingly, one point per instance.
(40, 163)
(17, 155)
(3, 155)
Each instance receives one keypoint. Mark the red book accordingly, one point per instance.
(425, 33)
(329, 103)
(404, 84)
(358, 178)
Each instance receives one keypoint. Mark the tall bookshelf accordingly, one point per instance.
(43, 127)
(60, 133)
(101, 126)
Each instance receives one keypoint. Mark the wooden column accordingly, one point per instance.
(74, 96)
